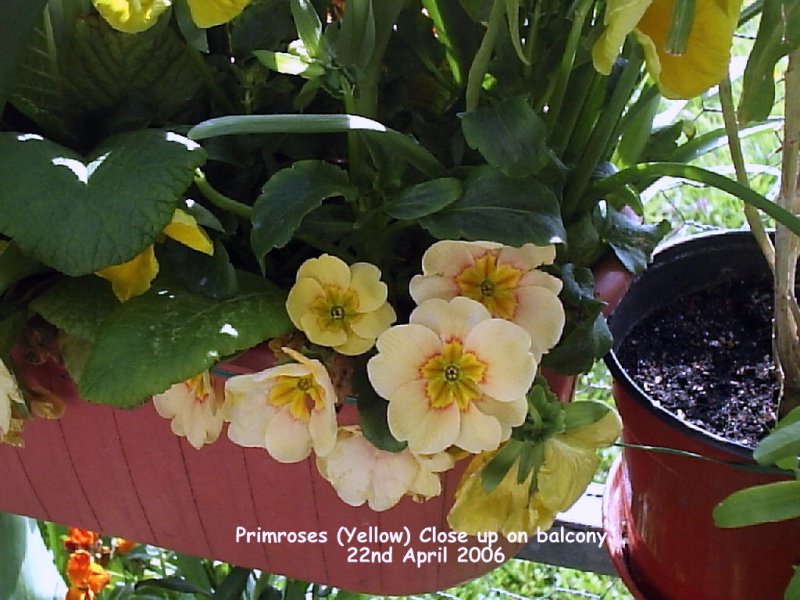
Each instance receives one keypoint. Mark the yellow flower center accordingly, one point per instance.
(491, 284)
(452, 376)
(336, 308)
(300, 394)
(200, 387)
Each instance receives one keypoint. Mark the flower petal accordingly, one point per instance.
(301, 297)
(402, 350)
(208, 13)
(425, 287)
(327, 270)
(478, 431)
(450, 319)
(527, 257)
(372, 324)
(505, 350)
(130, 17)
(541, 314)
(184, 229)
(412, 419)
(509, 414)
(365, 281)
(287, 439)
(322, 427)
(449, 257)
(621, 17)
(132, 278)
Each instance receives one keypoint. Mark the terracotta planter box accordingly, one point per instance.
(658, 508)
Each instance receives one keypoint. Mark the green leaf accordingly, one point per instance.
(289, 64)
(14, 266)
(478, 10)
(234, 584)
(25, 15)
(496, 469)
(11, 327)
(372, 411)
(213, 276)
(194, 571)
(767, 503)
(636, 133)
(458, 33)
(584, 246)
(75, 352)
(168, 335)
(295, 589)
(583, 413)
(632, 242)
(309, 27)
(352, 39)
(793, 589)
(580, 346)
(402, 146)
(77, 305)
(78, 216)
(530, 459)
(288, 196)
(778, 35)
(781, 443)
(496, 207)
(425, 198)
(263, 25)
(27, 571)
(509, 135)
(175, 584)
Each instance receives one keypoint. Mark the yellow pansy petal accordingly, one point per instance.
(708, 49)
(208, 13)
(505, 350)
(131, 16)
(411, 419)
(184, 229)
(621, 18)
(133, 277)
(365, 281)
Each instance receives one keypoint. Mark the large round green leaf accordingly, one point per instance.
(78, 215)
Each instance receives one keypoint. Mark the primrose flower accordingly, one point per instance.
(570, 462)
(196, 411)
(453, 375)
(10, 394)
(339, 306)
(133, 16)
(705, 60)
(361, 473)
(288, 410)
(505, 280)
(86, 577)
(133, 278)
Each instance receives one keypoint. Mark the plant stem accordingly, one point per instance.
(737, 156)
(480, 64)
(787, 246)
(219, 199)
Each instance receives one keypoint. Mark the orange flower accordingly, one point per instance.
(123, 546)
(80, 539)
(86, 577)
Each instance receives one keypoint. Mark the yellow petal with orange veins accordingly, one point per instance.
(402, 350)
(411, 419)
(327, 270)
(450, 319)
(208, 13)
(505, 350)
(365, 281)
(131, 16)
(479, 431)
(184, 229)
(134, 277)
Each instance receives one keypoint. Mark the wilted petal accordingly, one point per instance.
(184, 229)
(134, 277)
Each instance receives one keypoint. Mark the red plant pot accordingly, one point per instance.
(658, 507)
(126, 474)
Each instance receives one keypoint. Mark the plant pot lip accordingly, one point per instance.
(674, 250)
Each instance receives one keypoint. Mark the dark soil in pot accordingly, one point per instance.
(706, 359)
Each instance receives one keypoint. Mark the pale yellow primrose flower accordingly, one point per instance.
(339, 306)
(288, 410)
(134, 16)
(361, 473)
(708, 49)
(9, 393)
(194, 408)
(134, 277)
(453, 376)
(570, 462)
(505, 280)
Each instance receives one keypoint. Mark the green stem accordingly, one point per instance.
(602, 133)
(737, 157)
(480, 64)
(219, 199)
(568, 60)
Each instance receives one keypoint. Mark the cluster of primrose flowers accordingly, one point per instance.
(455, 378)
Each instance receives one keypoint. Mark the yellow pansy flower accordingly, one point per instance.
(287, 410)
(708, 49)
(134, 16)
(453, 376)
(506, 280)
(340, 306)
(134, 277)
(194, 408)
(361, 473)
(570, 462)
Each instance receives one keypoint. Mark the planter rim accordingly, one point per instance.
(671, 251)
